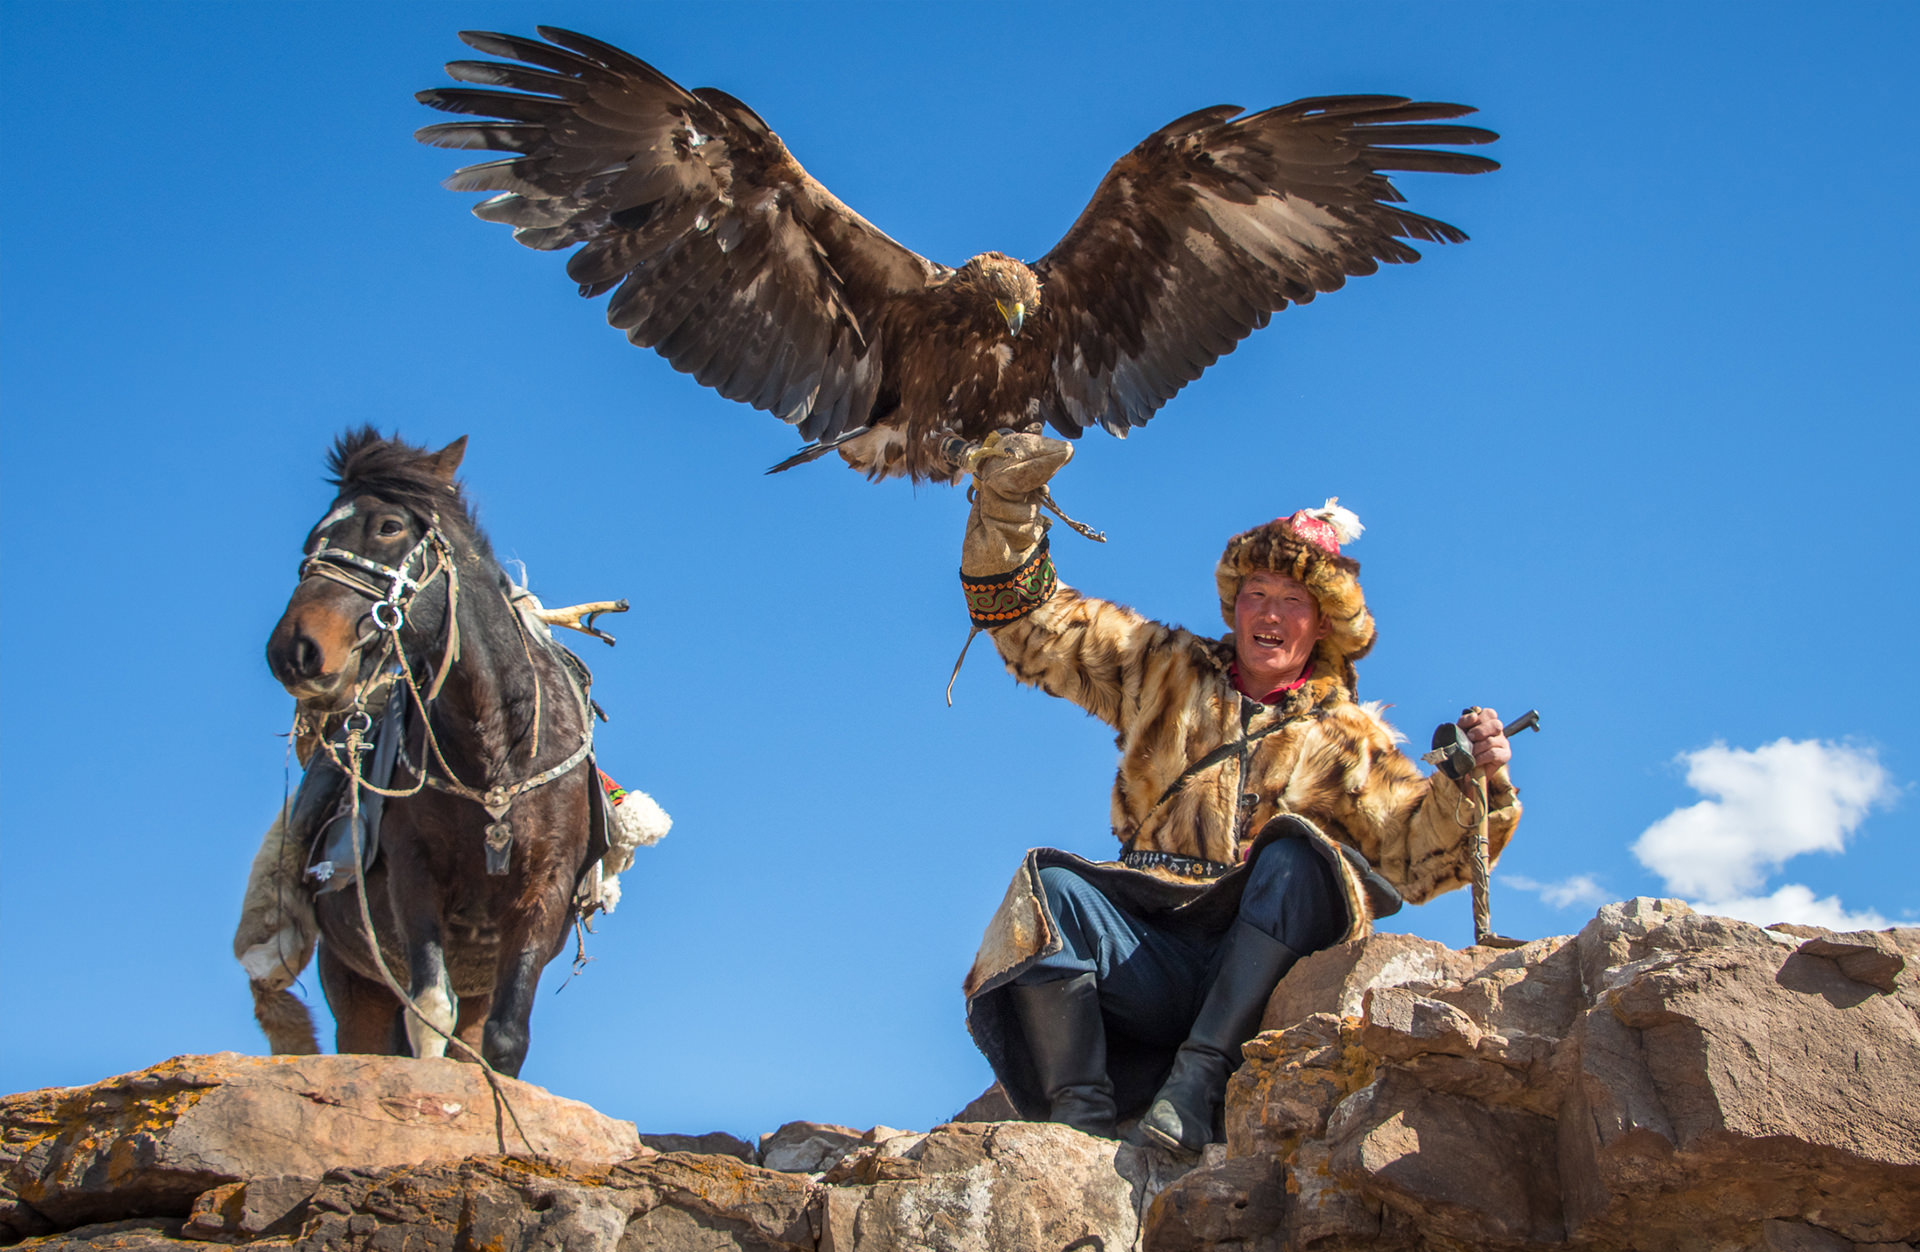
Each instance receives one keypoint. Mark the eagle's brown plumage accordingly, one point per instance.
(728, 259)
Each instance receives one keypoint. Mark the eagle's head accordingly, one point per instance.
(1011, 286)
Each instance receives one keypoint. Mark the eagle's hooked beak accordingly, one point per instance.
(1016, 314)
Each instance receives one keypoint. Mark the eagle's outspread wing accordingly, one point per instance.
(722, 253)
(727, 258)
(1216, 222)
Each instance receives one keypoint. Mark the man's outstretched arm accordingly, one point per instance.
(1076, 647)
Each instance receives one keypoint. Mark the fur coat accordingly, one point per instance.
(1206, 772)
(1203, 769)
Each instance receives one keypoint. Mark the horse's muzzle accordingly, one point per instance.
(314, 650)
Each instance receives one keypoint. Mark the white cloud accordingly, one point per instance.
(1579, 889)
(1795, 903)
(1766, 806)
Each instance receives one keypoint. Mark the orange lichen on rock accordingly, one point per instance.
(1291, 1081)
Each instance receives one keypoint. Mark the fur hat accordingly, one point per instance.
(1306, 548)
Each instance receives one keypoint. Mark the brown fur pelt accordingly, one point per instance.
(275, 937)
(285, 1020)
(1335, 762)
(275, 940)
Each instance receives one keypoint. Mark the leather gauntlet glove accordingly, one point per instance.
(1005, 570)
(1010, 473)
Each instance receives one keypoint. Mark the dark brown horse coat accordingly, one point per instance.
(467, 944)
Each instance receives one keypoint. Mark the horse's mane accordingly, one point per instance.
(364, 461)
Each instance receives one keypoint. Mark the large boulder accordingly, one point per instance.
(149, 1143)
(989, 1187)
(1663, 1080)
(325, 1153)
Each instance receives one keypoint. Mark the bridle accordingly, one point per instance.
(388, 614)
(389, 611)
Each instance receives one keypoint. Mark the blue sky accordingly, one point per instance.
(1641, 454)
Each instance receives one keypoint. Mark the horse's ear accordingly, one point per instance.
(445, 463)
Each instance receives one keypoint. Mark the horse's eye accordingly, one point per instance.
(391, 527)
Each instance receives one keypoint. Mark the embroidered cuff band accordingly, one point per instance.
(996, 599)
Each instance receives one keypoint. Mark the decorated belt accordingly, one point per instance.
(1184, 866)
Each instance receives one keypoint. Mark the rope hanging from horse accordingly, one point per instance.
(388, 615)
(355, 749)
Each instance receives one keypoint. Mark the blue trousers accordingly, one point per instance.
(1153, 973)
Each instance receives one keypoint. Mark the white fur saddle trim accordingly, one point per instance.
(638, 822)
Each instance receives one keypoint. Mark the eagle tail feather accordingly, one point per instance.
(814, 451)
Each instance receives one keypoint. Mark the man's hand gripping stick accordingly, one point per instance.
(1452, 755)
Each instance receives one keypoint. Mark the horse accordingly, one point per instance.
(493, 814)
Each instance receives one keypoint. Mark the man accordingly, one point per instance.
(1263, 814)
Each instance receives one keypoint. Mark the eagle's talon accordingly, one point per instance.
(581, 617)
(973, 454)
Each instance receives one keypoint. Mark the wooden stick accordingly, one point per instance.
(1483, 935)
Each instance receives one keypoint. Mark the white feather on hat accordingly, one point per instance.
(1346, 526)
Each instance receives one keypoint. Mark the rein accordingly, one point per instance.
(355, 748)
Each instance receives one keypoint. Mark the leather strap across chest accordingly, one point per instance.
(1241, 746)
(498, 799)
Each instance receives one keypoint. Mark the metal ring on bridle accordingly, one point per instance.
(382, 621)
(357, 722)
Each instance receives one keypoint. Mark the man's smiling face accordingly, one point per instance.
(1276, 622)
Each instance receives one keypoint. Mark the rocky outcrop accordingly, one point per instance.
(151, 1142)
(1661, 1081)
(381, 1153)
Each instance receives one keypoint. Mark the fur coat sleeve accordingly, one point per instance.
(1417, 829)
(1089, 651)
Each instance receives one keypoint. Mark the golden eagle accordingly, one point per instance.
(728, 259)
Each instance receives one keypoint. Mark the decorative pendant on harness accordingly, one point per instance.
(499, 847)
(498, 800)
(500, 831)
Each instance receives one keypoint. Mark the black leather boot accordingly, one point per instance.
(1068, 1042)
(1251, 965)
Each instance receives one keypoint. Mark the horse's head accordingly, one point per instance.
(380, 540)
